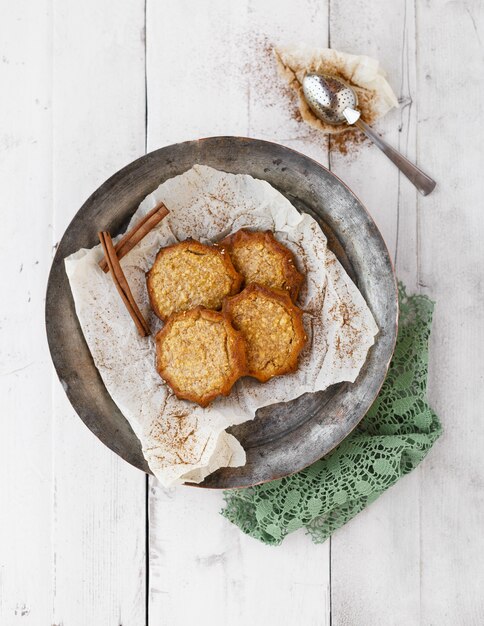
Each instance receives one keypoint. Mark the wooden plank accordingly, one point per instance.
(197, 554)
(387, 33)
(273, 113)
(450, 76)
(25, 378)
(209, 73)
(375, 563)
(99, 500)
(196, 85)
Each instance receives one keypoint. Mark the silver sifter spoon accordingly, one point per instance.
(334, 102)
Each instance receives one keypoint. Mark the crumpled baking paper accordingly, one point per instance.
(181, 441)
(363, 73)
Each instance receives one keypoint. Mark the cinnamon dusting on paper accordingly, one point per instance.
(347, 337)
(176, 435)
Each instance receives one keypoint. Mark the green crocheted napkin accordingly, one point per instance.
(391, 440)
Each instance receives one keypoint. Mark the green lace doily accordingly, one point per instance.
(391, 440)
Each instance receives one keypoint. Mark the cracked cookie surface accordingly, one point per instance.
(261, 259)
(200, 355)
(272, 329)
(190, 274)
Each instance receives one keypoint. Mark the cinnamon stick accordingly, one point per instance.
(121, 283)
(136, 234)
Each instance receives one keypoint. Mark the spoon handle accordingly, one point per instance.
(424, 183)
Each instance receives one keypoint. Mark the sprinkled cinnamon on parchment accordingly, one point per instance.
(180, 440)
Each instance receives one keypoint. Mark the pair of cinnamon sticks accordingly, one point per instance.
(113, 254)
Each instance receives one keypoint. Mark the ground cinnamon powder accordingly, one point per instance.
(271, 86)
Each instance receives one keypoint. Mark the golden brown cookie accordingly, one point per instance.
(272, 329)
(261, 259)
(200, 355)
(190, 274)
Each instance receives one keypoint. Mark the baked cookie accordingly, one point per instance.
(200, 355)
(261, 259)
(272, 329)
(190, 274)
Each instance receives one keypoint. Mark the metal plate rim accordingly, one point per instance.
(120, 175)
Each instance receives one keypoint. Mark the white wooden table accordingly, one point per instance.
(85, 539)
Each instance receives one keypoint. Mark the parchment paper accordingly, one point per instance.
(181, 441)
(363, 73)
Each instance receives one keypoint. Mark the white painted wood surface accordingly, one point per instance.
(99, 525)
(202, 556)
(73, 527)
(451, 270)
(376, 558)
(25, 377)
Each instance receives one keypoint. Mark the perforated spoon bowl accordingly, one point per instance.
(335, 102)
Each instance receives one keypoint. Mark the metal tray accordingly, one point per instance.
(283, 438)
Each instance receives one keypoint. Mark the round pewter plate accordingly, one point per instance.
(283, 438)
